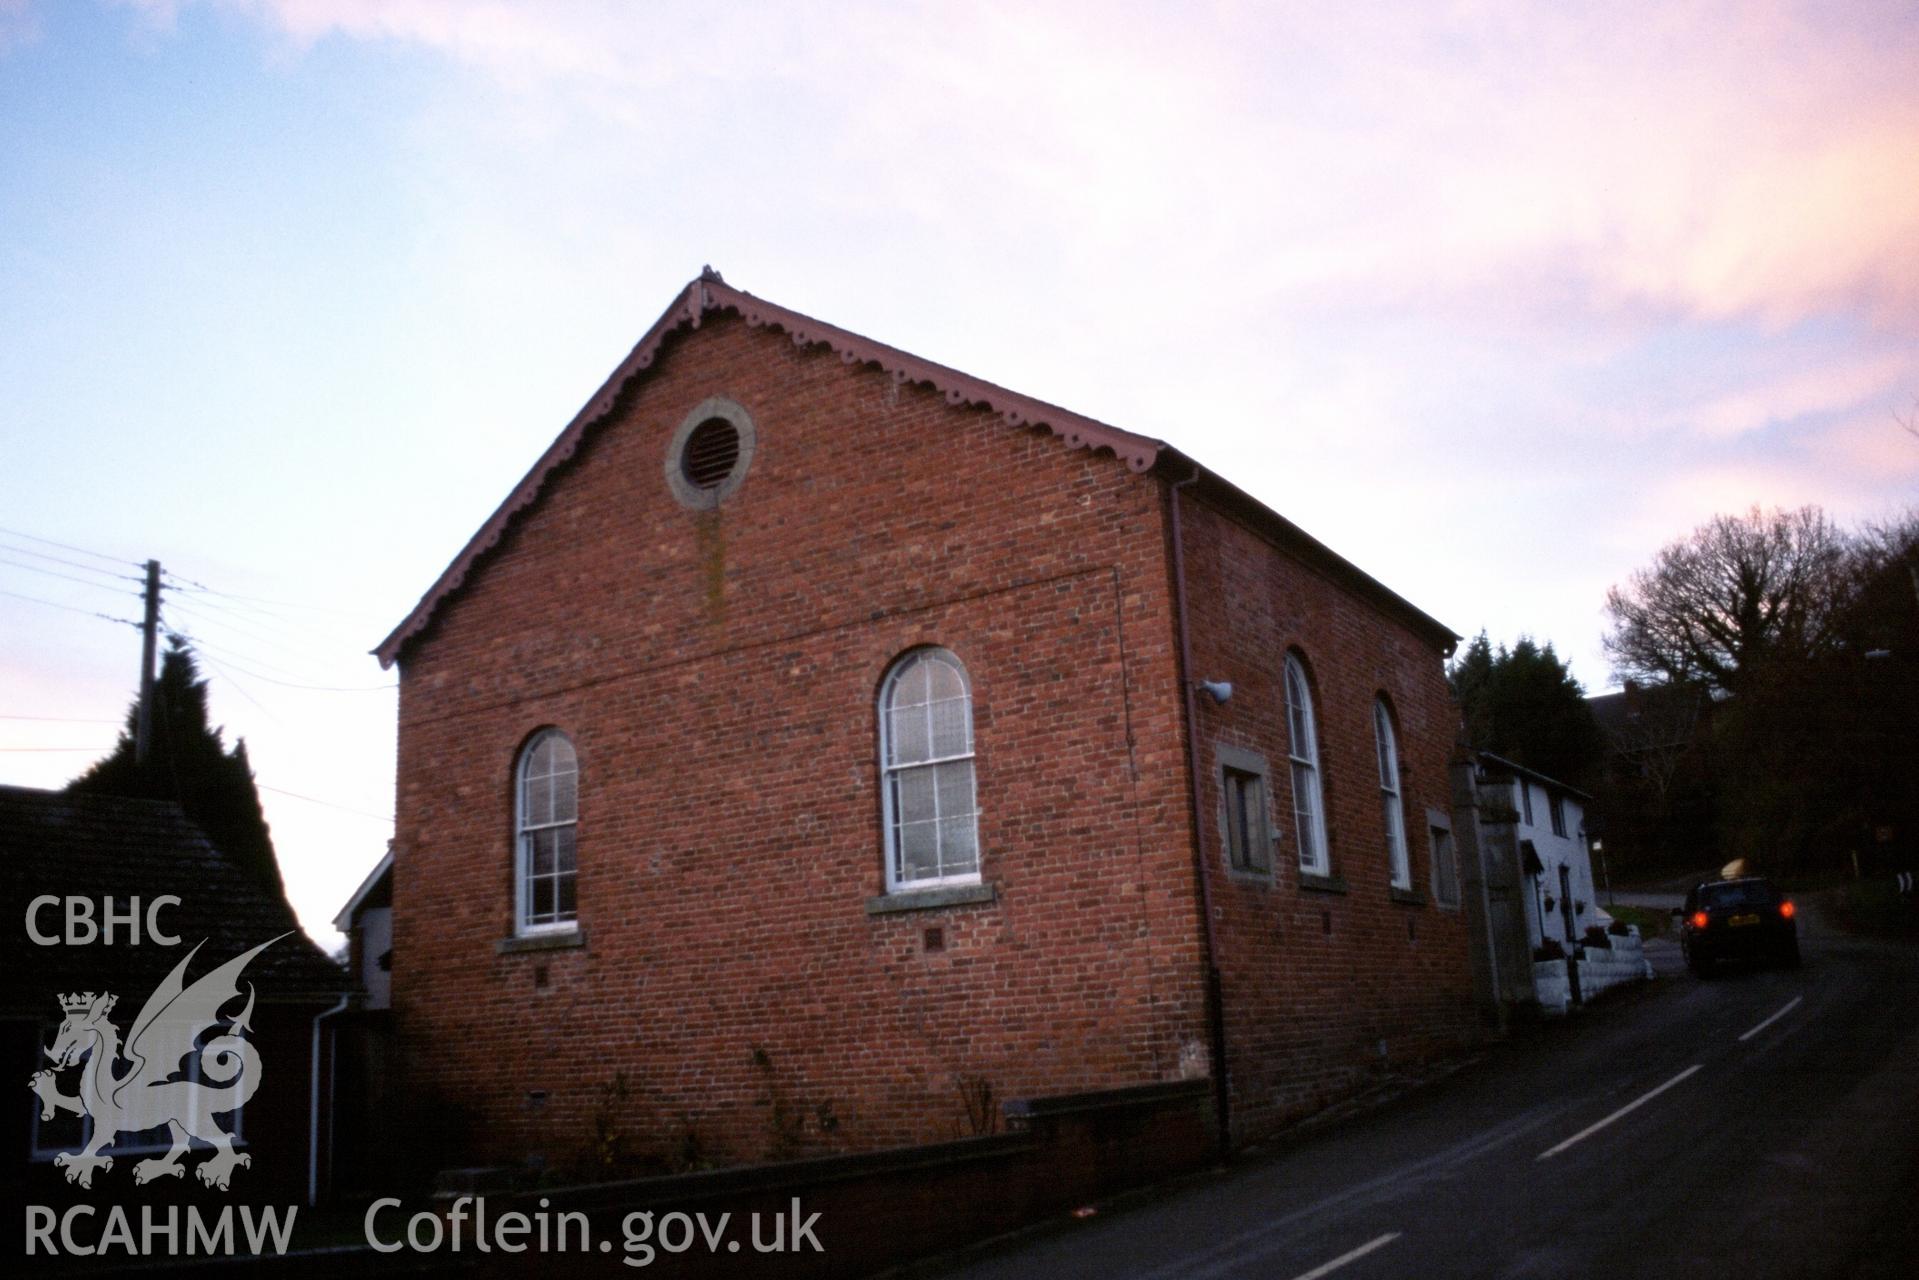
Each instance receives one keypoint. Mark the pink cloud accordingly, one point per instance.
(1844, 385)
(1750, 161)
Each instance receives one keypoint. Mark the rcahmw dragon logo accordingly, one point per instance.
(156, 1089)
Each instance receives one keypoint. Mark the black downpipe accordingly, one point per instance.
(1215, 995)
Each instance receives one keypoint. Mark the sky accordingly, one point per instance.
(1496, 300)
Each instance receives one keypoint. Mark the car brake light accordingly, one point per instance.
(1786, 910)
(1700, 919)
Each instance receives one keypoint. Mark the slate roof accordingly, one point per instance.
(1500, 764)
(97, 846)
(1611, 712)
(709, 293)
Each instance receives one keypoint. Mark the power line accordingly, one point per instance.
(201, 588)
(201, 644)
(59, 720)
(45, 749)
(239, 688)
(250, 630)
(71, 564)
(55, 573)
(309, 659)
(55, 604)
(278, 791)
(66, 546)
(315, 688)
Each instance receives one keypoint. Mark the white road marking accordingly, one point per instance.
(1233, 1253)
(1327, 1268)
(1790, 1006)
(1634, 1105)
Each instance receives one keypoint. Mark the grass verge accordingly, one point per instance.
(1652, 922)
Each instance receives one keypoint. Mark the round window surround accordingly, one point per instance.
(710, 453)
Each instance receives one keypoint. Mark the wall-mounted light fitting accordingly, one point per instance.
(1218, 690)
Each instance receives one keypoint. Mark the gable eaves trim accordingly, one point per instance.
(344, 920)
(710, 293)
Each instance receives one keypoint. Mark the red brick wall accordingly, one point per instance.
(1315, 981)
(717, 674)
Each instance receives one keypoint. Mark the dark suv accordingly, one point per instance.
(1743, 919)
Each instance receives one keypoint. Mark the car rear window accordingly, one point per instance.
(1750, 893)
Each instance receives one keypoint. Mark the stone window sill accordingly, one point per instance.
(541, 942)
(1321, 884)
(955, 895)
(1411, 897)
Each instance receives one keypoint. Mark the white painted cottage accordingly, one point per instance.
(1554, 850)
(1548, 944)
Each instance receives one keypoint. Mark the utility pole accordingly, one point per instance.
(149, 627)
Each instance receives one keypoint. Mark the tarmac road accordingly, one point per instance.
(1760, 1124)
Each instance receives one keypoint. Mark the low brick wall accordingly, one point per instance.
(874, 1210)
(887, 1207)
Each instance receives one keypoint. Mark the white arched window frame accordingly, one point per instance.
(1309, 805)
(1389, 797)
(926, 772)
(546, 820)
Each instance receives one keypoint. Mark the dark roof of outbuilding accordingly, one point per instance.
(1650, 714)
(708, 293)
(1610, 711)
(93, 846)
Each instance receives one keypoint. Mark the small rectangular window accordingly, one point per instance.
(1445, 868)
(1558, 807)
(1249, 847)
(1526, 801)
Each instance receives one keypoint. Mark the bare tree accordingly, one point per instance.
(1739, 590)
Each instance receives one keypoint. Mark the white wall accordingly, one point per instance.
(1556, 851)
(376, 940)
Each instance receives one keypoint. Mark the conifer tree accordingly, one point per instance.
(1523, 703)
(189, 763)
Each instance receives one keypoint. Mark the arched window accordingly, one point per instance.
(1308, 802)
(547, 808)
(926, 772)
(1402, 869)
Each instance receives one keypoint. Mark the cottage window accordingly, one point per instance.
(926, 765)
(1389, 801)
(1526, 801)
(1308, 800)
(548, 793)
(1557, 805)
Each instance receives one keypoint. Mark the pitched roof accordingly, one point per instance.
(709, 293)
(1502, 765)
(94, 846)
(370, 888)
(1642, 715)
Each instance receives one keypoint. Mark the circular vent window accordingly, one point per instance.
(710, 454)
